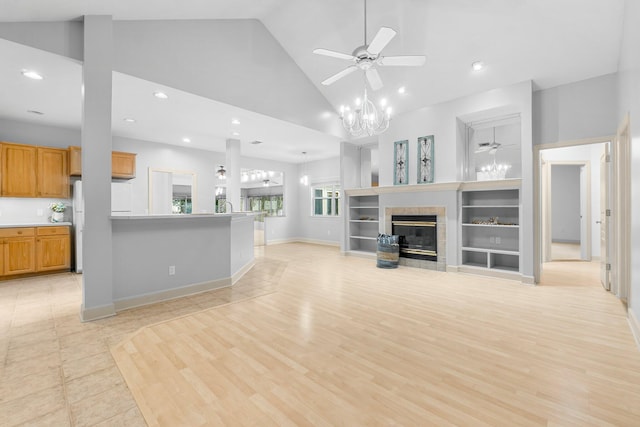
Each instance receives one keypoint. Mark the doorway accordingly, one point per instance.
(574, 238)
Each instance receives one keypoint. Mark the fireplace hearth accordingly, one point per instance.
(418, 236)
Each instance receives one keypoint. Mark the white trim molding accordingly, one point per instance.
(242, 271)
(152, 298)
(95, 313)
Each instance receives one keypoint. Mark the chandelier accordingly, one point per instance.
(222, 173)
(366, 117)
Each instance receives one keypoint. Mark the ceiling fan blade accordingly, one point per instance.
(339, 75)
(334, 54)
(381, 39)
(403, 61)
(373, 77)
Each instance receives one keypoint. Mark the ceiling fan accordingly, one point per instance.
(367, 57)
(491, 147)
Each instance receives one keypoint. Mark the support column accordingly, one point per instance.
(97, 282)
(233, 173)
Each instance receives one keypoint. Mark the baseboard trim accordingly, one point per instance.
(319, 242)
(242, 271)
(453, 269)
(303, 240)
(498, 274)
(635, 326)
(95, 313)
(528, 280)
(138, 301)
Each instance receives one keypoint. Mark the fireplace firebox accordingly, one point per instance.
(418, 236)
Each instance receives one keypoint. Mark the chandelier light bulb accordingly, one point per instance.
(358, 102)
(383, 102)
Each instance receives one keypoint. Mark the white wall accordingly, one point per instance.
(629, 103)
(584, 109)
(565, 203)
(313, 228)
(583, 153)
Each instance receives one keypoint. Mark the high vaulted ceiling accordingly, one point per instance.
(551, 42)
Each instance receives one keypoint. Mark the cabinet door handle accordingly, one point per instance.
(19, 232)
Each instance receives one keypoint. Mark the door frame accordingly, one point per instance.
(537, 205)
(547, 182)
(621, 212)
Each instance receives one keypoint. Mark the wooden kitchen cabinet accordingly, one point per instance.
(53, 173)
(53, 248)
(123, 165)
(18, 170)
(18, 250)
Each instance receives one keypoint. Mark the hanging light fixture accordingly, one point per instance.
(366, 117)
(222, 173)
(304, 179)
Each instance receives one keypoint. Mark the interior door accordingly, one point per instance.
(584, 239)
(604, 220)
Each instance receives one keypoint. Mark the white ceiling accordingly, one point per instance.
(551, 42)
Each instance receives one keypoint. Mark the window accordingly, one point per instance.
(326, 200)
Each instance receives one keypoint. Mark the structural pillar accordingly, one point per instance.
(97, 281)
(233, 173)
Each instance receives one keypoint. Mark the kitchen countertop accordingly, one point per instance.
(34, 224)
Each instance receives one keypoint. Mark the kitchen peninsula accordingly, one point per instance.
(160, 257)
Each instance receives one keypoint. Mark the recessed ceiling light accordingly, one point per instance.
(186, 140)
(235, 133)
(36, 112)
(477, 66)
(160, 95)
(129, 120)
(32, 74)
(402, 90)
(235, 121)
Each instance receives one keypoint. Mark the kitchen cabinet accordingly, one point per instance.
(18, 250)
(18, 170)
(53, 248)
(52, 173)
(123, 164)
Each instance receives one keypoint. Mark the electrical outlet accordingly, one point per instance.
(40, 212)
(498, 240)
(172, 270)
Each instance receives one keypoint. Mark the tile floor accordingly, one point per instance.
(55, 370)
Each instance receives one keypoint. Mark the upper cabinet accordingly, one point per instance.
(18, 170)
(53, 174)
(123, 165)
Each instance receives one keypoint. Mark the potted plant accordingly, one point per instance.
(57, 210)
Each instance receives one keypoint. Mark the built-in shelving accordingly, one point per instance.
(490, 231)
(363, 224)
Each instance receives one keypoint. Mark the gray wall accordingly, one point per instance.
(584, 109)
(629, 103)
(565, 202)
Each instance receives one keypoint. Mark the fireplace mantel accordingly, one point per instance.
(440, 186)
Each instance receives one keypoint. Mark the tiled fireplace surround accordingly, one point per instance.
(441, 228)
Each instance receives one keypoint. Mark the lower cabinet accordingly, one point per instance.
(18, 250)
(33, 249)
(53, 248)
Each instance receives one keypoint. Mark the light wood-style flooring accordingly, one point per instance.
(332, 340)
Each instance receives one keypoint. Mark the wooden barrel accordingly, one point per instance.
(388, 255)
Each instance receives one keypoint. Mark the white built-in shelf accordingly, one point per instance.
(493, 251)
(364, 207)
(364, 220)
(364, 237)
(490, 206)
(478, 250)
(491, 225)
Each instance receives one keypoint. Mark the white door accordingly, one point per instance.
(584, 251)
(604, 219)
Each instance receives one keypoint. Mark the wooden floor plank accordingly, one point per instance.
(340, 342)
